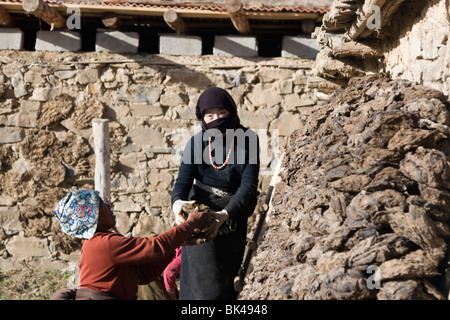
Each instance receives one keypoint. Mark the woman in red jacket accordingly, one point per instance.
(112, 265)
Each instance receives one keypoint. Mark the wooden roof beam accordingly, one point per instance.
(357, 49)
(175, 22)
(88, 9)
(6, 20)
(112, 21)
(360, 23)
(43, 11)
(237, 16)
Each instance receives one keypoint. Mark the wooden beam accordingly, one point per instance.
(175, 22)
(237, 16)
(360, 24)
(5, 18)
(112, 20)
(43, 11)
(357, 49)
(387, 11)
(88, 9)
(337, 46)
(340, 16)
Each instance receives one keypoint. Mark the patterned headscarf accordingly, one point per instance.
(78, 213)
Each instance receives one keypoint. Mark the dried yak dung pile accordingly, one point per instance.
(202, 235)
(362, 210)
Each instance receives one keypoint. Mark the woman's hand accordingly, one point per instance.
(219, 218)
(177, 207)
(198, 218)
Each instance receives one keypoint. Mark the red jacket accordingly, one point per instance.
(113, 263)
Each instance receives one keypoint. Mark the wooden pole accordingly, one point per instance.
(43, 11)
(237, 16)
(102, 180)
(174, 21)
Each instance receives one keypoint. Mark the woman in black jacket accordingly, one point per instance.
(219, 168)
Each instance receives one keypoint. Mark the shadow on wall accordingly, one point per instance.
(299, 47)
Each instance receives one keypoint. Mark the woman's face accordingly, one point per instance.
(212, 114)
(106, 218)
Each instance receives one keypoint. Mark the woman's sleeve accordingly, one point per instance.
(135, 250)
(243, 202)
(186, 173)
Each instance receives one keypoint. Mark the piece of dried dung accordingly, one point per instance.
(362, 208)
(199, 235)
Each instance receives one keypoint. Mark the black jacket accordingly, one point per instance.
(239, 177)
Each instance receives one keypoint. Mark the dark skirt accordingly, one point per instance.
(82, 294)
(208, 270)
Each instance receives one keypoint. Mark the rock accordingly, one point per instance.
(11, 135)
(145, 110)
(21, 247)
(146, 136)
(19, 85)
(286, 124)
(263, 94)
(11, 69)
(66, 74)
(149, 225)
(160, 198)
(143, 93)
(126, 204)
(124, 222)
(35, 76)
(87, 76)
(9, 218)
(173, 99)
(43, 94)
(28, 114)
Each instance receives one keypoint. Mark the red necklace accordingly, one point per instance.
(226, 160)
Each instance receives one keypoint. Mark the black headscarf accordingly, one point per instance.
(215, 97)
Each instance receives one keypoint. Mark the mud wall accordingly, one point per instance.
(418, 48)
(48, 101)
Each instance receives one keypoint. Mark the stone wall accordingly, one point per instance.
(46, 145)
(419, 50)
